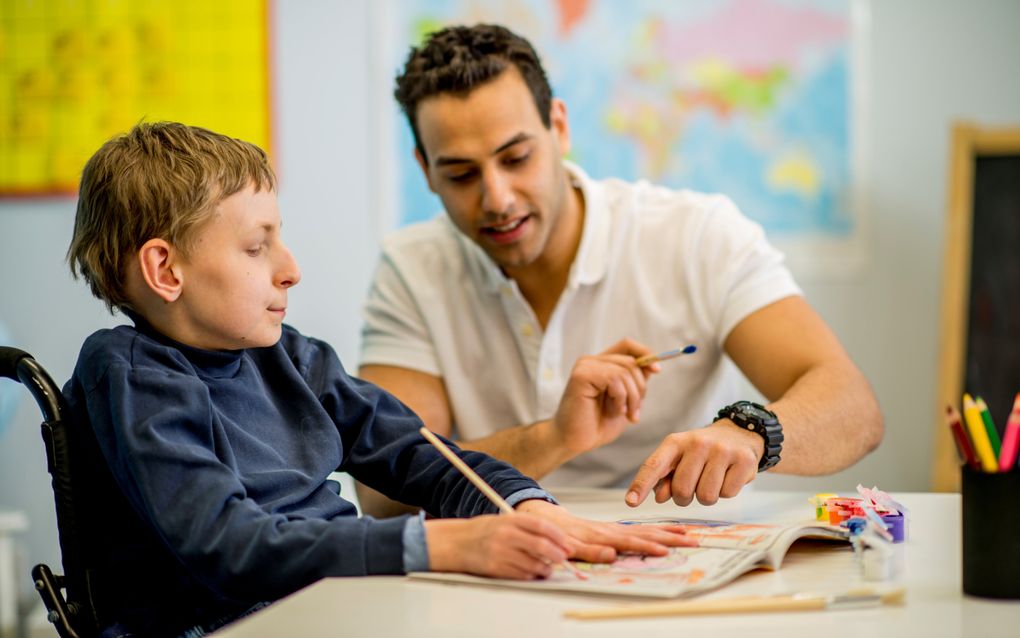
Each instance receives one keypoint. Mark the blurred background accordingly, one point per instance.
(310, 81)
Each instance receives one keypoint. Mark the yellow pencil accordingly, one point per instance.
(979, 435)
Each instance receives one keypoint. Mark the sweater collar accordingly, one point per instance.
(212, 363)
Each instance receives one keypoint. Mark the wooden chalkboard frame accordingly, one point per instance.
(968, 143)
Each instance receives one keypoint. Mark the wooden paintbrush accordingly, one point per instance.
(750, 604)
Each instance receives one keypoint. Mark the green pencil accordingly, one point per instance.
(993, 434)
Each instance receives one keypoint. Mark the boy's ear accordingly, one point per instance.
(160, 269)
(424, 168)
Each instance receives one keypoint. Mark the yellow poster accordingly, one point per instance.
(73, 73)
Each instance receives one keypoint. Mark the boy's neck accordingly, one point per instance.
(156, 317)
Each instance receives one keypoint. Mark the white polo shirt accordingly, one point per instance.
(666, 268)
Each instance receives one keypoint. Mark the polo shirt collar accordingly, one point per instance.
(592, 261)
(590, 264)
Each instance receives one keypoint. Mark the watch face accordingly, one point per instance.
(757, 413)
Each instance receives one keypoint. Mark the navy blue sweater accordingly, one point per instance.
(222, 459)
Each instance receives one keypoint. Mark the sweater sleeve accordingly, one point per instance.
(155, 428)
(384, 449)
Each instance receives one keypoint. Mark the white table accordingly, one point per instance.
(10, 522)
(935, 605)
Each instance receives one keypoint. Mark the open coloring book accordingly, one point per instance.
(726, 551)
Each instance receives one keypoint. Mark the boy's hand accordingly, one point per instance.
(603, 395)
(599, 542)
(519, 545)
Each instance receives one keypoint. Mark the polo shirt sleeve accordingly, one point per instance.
(394, 331)
(736, 268)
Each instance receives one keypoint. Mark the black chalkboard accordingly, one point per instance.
(993, 325)
(979, 344)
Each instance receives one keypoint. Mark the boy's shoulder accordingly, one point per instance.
(137, 351)
(308, 354)
(126, 346)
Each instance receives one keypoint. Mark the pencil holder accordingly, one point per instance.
(991, 530)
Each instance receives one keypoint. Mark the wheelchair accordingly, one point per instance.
(98, 581)
(69, 598)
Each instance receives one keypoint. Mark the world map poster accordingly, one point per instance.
(754, 99)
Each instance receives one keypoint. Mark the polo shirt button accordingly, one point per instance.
(547, 374)
(526, 330)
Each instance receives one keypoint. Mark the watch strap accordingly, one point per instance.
(763, 422)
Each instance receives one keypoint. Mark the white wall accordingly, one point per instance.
(932, 61)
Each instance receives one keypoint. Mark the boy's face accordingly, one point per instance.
(497, 168)
(235, 280)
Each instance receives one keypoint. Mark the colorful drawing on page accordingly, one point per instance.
(639, 563)
(718, 533)
(681, 569)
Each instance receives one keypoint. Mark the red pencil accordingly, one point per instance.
(963, 447)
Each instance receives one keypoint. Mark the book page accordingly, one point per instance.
(771, 540)
(685, 570)
(726, 551)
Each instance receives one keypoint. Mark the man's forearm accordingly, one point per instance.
(830, 420)
(375, 504)
(533, 449)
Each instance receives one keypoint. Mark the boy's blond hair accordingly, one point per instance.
(160, 180)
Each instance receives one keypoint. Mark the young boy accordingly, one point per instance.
(220, 424)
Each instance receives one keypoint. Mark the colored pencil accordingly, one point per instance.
(979, 435)
(963, 446)
(993, 433)
(1011, 438)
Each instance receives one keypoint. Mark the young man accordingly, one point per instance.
(220, 425)
(484, 320)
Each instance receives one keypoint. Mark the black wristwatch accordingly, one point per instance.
(755, 417)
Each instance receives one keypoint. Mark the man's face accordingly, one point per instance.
(497, 168)
(235, 279)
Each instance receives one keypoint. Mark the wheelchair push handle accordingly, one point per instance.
(9, 358)
(21, 366)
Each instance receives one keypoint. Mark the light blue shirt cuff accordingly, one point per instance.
(416, 552)
(529, 493)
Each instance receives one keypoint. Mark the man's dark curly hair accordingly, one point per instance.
(459, 59)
